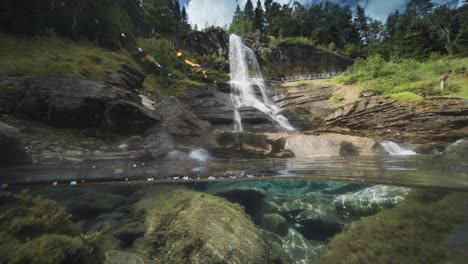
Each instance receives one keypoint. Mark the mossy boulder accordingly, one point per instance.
(184, 226)
(413, 232)
(37, 230)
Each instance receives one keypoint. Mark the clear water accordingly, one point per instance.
(392, 202)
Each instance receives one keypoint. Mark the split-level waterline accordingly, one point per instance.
(245, 75)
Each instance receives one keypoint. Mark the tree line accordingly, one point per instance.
(421, 30)
(109, 22)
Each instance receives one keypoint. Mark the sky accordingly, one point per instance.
(220, 12)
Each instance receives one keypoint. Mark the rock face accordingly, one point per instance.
(434, 120)
(127, 77)
(62, 101)
(213, 230)
(129, 117)
(292, 60)
(215, 106)
(307, 106)
(179, 128)
(12, 150)
(207, 43)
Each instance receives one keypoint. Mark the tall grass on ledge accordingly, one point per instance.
(409, 76)
(22, 56)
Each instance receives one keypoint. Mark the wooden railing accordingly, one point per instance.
(306, 77)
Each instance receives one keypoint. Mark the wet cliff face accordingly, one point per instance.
(207, 43)
(281, 60)
(292, 60)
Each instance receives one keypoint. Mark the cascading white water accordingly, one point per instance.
(393, 149)
(245, 74)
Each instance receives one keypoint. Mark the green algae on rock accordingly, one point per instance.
(413, 232)
(37, 230)
(184, 226)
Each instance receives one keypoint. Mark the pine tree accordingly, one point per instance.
(249, 10)
(259, 17)
(361, 24)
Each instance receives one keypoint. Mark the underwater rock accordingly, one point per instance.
(12, 149)
(87, 203)
(296, 247)
(249, 197)
(121, 257)
(213, 230)
(370, 200)
(37, 230)
(413, 232)
(275, 223)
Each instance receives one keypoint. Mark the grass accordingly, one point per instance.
(21, 56)
(409, 79)
(53, 55)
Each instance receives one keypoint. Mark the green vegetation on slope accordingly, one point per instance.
(54, 55)
(23, 56)
(409, 79)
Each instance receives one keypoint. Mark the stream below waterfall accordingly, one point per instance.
(307, 210)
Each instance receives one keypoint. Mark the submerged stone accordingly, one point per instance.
(370, 200)
(184, 226)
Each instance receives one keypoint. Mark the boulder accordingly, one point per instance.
(129, 117)
(275, 223)
(241, 145)
(370, 200)
(12, 149)
(457, 150)
(325, 145)
(251, 198)
(121, 257)
(184, 226)
(38, 230)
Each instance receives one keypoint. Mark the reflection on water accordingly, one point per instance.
(323, 210)
(420, 170)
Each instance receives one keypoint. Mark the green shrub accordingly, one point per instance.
(301, 41)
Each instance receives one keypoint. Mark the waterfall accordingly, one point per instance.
(245, 74)
(393, 149)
